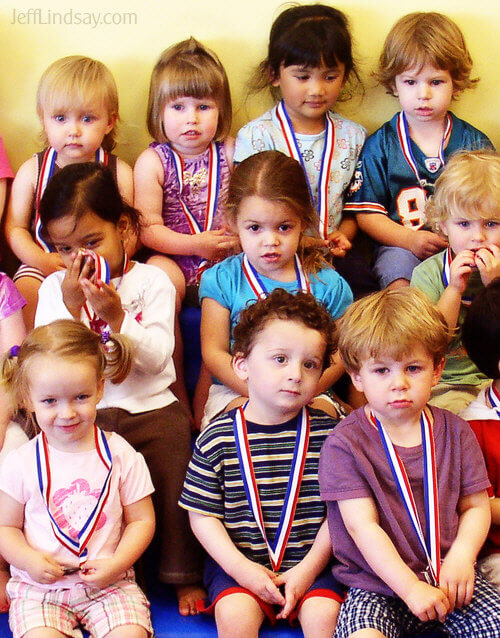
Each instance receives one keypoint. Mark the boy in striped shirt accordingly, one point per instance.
(252, 485)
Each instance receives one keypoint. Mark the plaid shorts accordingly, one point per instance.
(99, 611)
(391, 616)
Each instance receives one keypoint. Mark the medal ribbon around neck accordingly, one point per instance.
(213, 192)
(494, 399)
(102, 273)
(432, 548)
(447, 259)
(257, 285)
(405, 142)
(326, 161)
(46, 172)
(277, 549)
(76, 547)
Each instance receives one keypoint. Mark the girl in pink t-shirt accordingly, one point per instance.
(79, 515)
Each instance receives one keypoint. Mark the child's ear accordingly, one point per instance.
(274, 78)
(438, 371)
(356, 380)
(111, 122)
(239, 364)
(124, 228)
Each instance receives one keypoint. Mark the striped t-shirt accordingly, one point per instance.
(214, 485)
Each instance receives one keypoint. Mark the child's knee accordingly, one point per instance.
(238, 615)
(318, 616)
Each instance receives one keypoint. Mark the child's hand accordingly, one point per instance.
(105, 301)
(488, 263)
(260, 581)
(51, 262)
(460, 270)
(297, 581)
(425, 244)
(456, 580)
(101, 572)
(338, 243)
(71, 287)
(215, 244)
(43, 568)
(427, 602)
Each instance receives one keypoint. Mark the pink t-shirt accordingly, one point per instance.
(353, 464)
(76, 482)
(5, 168)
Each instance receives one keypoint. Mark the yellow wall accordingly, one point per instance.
(237, 30)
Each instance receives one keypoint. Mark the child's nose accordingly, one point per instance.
(74, 128)
(423, 90)
(66, 411)
(192, 115)
(399, 380)
(271, 238)
(316, 86)
(295, 371)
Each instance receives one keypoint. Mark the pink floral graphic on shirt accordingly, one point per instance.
(73, 506)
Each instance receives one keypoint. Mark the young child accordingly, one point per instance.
(181, 179)
(252, 485)
(466, 209)
(269, 207)
(82, 209)
(308, 64)
(404, 483)
(425, 64)
(79, 515)
(77, 103)
(481, 337)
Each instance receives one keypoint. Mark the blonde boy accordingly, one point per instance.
(425, 64)
(392, 344)
(466, 210)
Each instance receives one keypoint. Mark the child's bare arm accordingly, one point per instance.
(361, 520)
(148, 181)
(215, 336)
(331, 375)
(137, 534)
(15, 549)
(18, 222)
(212, 534)
(460, 271)
(299, 578)
(495, 510)
(125, 179)
(457, 571)
(422, 243)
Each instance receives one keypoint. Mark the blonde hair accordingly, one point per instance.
(421, 38)
(67, 339)
(188, 69)
(77, 81)
(469, 186)
(391, 323)
(276, 177)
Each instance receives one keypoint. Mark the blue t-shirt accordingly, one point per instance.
(227, 284)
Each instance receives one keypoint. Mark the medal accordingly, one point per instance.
(276, 549)
(257, 285)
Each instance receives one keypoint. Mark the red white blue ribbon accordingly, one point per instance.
(494, 399)
(78, 546)
(257, 285)
(326, 161)
(405, 142)
(430, 543)
(447, 259)
(276, 549)
(46, 172)
(101, 273)
(213, 192)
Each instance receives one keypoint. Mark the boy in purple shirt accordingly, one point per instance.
(405, 483)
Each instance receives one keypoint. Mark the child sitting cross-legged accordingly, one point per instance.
(405, 483)
(252, 485)
(481, 336)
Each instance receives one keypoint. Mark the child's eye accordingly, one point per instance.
(464, 223)
(280, 358)
(205, 107)
(414, 368)
(177, 107)
(302, 76)
(82, 397)
(436, 82)
(285, 227)
(88, 118)
(64, 250)
(92, 243)
(492, 223)
(381, 370)
(59, 117)
(310, 365)
(48, 402)
(331, 77)
(254, 228)
(410, 82)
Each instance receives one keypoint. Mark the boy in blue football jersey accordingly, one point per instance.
(425, 64)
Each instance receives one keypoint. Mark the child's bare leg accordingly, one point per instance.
(187, 595)
(4, 579)
(318, 617)
(29, 287)
(44, 632)
(128, 631)
(201, 394)
(238, 616)
(176, 276)
(367, 633)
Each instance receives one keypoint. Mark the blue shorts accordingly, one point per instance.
(220, 584)
(393, 262)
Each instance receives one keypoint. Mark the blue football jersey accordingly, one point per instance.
(385, 180)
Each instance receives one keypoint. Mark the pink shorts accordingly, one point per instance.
(99, 611)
